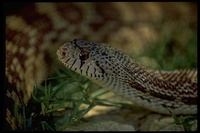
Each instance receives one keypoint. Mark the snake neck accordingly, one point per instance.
(147, 86)
(152, 83)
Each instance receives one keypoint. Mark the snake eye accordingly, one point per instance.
(84, 55)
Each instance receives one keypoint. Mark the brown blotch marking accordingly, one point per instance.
(192, 86)
(69, 14)
(17, 38)
(10, 101)
(162, 96)
(137, 86)
(108, 13)
(159, 84)
(43, 23)
(162, 85)
(190, 100)
(155, 83)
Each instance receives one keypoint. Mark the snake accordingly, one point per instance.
(34, 31)
(157, 91)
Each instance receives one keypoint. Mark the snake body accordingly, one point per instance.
(34, 32)
(158, 91)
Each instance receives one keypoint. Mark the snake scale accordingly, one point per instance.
(34, 33)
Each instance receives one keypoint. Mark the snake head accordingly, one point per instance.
(96, 61)
(82, 57)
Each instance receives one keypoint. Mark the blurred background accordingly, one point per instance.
(166, 31)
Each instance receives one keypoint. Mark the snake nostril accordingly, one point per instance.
(63, 53)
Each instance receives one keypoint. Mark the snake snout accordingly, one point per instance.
(61, 53)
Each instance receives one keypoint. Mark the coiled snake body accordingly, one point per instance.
(34, 33)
